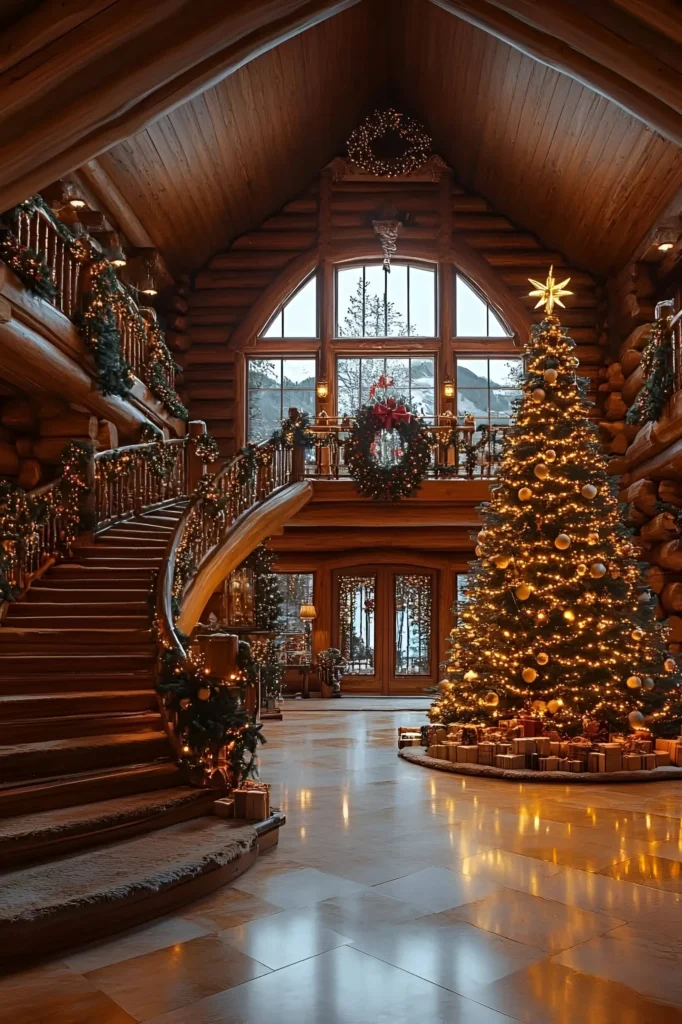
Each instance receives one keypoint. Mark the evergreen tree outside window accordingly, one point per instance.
(274, 386)
(414, 378)
(371, 303)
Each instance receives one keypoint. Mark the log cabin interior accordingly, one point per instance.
(267, 345)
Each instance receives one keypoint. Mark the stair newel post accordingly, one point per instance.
(195, 468)
(88, 509)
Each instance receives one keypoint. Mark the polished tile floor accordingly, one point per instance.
(398, 894)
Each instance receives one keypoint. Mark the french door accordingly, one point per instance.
(384, 619)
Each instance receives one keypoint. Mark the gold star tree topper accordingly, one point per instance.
(550, 292)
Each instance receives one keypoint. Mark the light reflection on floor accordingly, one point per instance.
(400, 894)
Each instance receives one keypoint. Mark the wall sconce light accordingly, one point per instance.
(448, 388)
(322, 389)
(118, 258)
(665, 239)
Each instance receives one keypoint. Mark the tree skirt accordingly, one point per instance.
(484, 771)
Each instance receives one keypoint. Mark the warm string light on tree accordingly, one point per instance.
(389, 143)
(559, 623)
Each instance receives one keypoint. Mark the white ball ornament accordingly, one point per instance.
(529, 675)
(648, 683)
(597, 570)
(581, 569)
(562, 542)
(525, 494)
(538, 395)
(550, 455)
(523, 591)
(669, 665)
(589, 491)
(633, 683)
(636, 719)
(491, 699)
(593, 538)
(550, 376)
(541, 471)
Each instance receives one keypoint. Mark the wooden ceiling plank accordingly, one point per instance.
(663, 15)
(43, 26)
(555, 53)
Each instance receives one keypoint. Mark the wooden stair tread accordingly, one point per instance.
(71, 744)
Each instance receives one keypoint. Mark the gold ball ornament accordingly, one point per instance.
(636, 719)
(539, 707)
(203, 693)
(593, 538)
(569, 615)
(550, 376)
(444, 685)
(538, 395)
(502, 561)
(542, 658)
(529, 675)
(669, 665)
(478, 551)
(588, 491)
(597, 570)
(637, 634)
(491, 699)
(481, 536)
(470, 675)
(633, 683)
(581, 569)
(550, 455)
(648, 683)
(541, 471)
(553, 706)
(523, 591)
(525, 494)
(185, 703)
(562, 542)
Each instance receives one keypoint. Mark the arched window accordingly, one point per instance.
(297, 317)
(372, 302)
(474, 317)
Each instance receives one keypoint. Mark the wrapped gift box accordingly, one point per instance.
(564, 764)
(468, 755)
(575, 765)
(645, 746)
(252, 801)
(548, 764)
(523, 745)
(510, 760)
(668, 745)
(613, 754)
(554, 748)
(436, 733)
(662, 758)
(543, 745)
(486, 753)
(676, 755)
(531, 726)
(632, 762)
(409, 741)
(579, 751)
(596, 762)
(649, 761)
(503, 748)
(438, 750)
(451, 751)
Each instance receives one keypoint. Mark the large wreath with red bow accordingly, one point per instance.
(388, 450)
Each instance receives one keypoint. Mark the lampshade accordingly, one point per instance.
(322, 388)
(308, 612)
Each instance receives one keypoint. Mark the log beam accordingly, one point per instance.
(621, 88)
(158, 56)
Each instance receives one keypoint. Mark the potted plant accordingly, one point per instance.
(330, 668)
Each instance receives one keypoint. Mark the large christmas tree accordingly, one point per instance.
(558, 621)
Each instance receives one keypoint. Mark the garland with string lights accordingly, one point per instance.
(659, 376)
(159, 368)
(206, 448)
(211, 721)
(97, 324)
(387, 419)
(294, 433)
(30, 266)
(389, 143)
(559, 624)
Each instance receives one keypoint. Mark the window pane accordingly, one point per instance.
(502, 405)
(496, 328)
(461, 598)
(357, 596)
(399, 369)
(295, 589)
(349, 303)
(303, 400)
(375, 292)
(422, 303)
(347, 386)
(300, 312)
(423, 374)
(472, 320)
(297, 372)
(265, 414)
(470, 401)
(412, 625)
(472, 373)
(504, 372)
(396, 295)
(265, 373)
(372, 369)
(275, 328)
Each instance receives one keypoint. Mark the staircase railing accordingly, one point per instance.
(27, 556)
(37, 231)
(137, 478)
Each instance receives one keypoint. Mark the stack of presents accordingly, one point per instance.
(523, 743)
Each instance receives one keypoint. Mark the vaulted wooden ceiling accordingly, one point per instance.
(206, 116)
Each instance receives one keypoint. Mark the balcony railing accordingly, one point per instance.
(457, 450)
(37, 231)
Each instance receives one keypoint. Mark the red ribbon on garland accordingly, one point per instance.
(389, 414)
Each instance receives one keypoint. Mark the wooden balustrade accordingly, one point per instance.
(457, 450)
(27, 558)
(36, 231)
(131, 484)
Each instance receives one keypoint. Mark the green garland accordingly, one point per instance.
(383, 483)
(294, 433)
(29, 266)
(206, 448)
(97, 325)
(659, 378)
(159, 367)
(210, 718)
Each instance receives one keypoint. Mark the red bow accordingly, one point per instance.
(391, 414)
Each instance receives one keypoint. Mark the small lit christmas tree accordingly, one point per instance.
(559, 623)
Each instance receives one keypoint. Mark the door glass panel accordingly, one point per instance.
(413, 603)
(357, 607)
